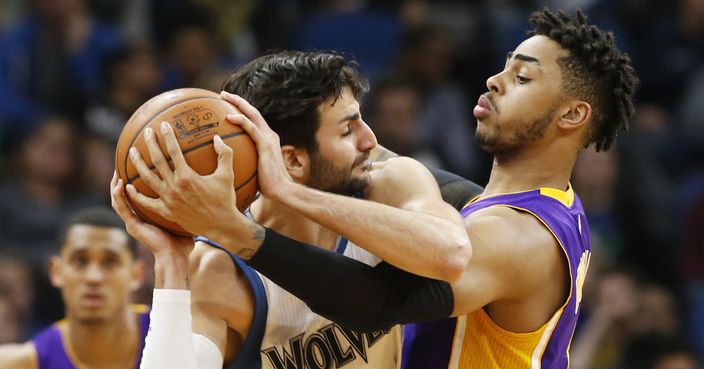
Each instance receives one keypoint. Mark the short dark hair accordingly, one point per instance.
(287, 88)
(98, 216)
(595, 70)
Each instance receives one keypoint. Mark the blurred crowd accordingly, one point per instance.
(73, 71)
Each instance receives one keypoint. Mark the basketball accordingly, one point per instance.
(196, 116)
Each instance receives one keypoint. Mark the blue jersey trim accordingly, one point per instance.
(249, 356)
(341, 246)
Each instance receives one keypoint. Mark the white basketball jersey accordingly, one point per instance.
(297, 338)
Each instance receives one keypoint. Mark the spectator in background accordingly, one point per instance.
(17, 293)
(132, 78)
(98, 165)
(39, 194)
(52, 60)
(658, 351)
(425, 58)
(391, 108)
(354, 28)
(193, 58)
(10, 323)
(619, 310)
(595, 177)
(606, 330)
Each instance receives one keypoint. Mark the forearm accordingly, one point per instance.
(415, 241)
(333, 286)
(170, 342)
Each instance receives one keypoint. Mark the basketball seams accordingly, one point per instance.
(147, 121)
(190, 149)
(198, 156)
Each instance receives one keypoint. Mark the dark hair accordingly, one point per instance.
(595, 70)
(287, 88)
(98, 216)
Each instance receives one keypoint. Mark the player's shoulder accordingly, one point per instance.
(512, 229)
(399, 180)
(397, 166)
(218, 285)
(18, 356)
(518, 243)
(208, 263)
(400, 171)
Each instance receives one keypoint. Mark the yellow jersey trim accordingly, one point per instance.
(34, 357)
(565, 197)
(71, 353)
(63, 329)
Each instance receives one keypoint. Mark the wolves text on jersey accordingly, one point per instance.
(332, 346)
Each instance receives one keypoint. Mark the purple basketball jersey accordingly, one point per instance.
(52, 352)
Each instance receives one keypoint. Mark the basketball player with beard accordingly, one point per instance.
(240, 317)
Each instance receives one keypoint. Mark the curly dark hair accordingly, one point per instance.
(595, 70)
(287, 87)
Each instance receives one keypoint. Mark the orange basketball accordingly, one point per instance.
(196, 115)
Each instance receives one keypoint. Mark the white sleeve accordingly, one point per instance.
(170, 342)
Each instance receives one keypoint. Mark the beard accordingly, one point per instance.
(496, 144)
(325, 176)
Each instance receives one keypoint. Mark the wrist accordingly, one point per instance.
(243, 240)
(171, 271)
(287, 192)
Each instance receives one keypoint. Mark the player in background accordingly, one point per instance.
(96, 270)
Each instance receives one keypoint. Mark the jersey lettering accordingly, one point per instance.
(332, 346)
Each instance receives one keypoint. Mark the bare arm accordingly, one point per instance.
(171, 341)
(18, 356)
(408, 224)
(222, 311)
(518, 272)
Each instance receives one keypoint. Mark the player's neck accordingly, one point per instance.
(282, 219)
(530, 169)
(107, 344)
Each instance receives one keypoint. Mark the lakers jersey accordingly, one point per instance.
(474, 341)
(54, 350)
(286, 334)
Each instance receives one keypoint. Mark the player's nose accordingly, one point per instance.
(367, 138)
(94, 273)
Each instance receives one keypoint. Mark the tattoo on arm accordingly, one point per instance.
(247, 253)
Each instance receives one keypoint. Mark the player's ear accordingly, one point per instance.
(55, 272)
(575, 114)
(297, 161)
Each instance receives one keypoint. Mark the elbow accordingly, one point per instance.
(456, 261)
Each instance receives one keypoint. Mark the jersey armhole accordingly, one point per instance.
(249, 356)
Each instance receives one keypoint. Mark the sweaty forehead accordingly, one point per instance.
(95, 238)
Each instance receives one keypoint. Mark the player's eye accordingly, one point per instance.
(348, 130)
(522, 80)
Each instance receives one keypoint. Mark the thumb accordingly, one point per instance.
(224, 155)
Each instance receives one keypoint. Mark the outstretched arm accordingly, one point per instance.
(171, 341)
